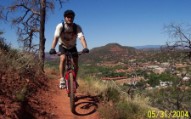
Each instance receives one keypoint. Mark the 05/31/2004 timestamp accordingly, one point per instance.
(168, 114)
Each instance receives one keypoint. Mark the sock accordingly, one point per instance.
(62, 79)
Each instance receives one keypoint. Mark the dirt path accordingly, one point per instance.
(56, 105)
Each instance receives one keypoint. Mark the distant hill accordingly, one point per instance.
(113, 47)
(115, 53)
(110, 52)
(148, 47)
(50, 57)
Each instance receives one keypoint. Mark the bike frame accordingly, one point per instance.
(70, 77)
(70, 69)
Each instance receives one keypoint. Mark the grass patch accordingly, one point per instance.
(52, 72)
(116, 103)
(52, 69)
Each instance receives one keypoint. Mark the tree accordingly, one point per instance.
(4, 47)
(42, 30)
(29, 17)
(181, 35)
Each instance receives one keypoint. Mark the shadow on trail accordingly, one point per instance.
(86, 105)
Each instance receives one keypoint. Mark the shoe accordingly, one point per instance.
(62, 84)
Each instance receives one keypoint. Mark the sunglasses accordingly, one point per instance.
(70, 16)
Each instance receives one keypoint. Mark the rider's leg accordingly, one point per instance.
(62, 51)
(62, 71)
(76, 69)
(76, 64)
(62, 65)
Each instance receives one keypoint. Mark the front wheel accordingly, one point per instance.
(71, 91)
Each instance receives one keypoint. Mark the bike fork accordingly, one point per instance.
(74, 85)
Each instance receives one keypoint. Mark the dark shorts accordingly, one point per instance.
(63, 50)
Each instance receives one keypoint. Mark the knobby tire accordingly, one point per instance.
(71, 93)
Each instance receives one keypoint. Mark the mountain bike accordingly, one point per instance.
(70, 78)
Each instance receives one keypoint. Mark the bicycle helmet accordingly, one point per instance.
(69, 12)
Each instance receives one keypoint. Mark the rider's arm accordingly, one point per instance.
(54, 42)
(80, 35)
(56, 35)
(83, 42)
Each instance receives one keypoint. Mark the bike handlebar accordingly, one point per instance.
(70, 53)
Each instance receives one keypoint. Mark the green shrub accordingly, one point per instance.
(117, 104)
(127, 110)
(113, 94)
(108, 111)
(21, 95)
(17, 69)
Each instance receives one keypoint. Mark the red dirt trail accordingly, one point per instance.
(55, 104)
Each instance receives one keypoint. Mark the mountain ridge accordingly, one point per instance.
(110, 52)
(148, 47)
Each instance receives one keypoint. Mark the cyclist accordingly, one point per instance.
(66, 34)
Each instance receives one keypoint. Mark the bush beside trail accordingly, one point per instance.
(20, 77)
(114, 102)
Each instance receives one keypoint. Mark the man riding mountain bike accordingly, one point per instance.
(66, 34)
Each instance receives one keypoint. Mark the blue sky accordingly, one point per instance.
(127, 22)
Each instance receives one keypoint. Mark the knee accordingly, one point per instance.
(62, 58)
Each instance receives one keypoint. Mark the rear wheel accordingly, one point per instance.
(71, 91)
